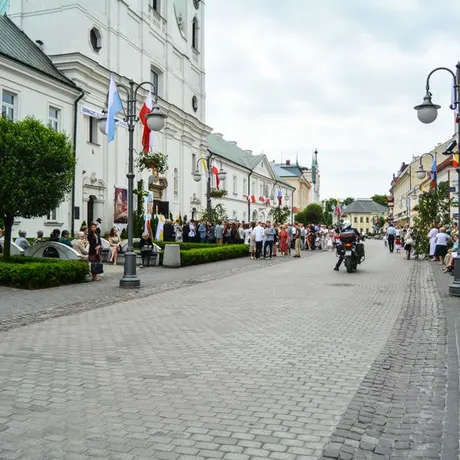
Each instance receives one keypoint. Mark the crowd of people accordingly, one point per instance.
(443, 243)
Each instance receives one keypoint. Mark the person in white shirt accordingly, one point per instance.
(442, 238)
(259, 238)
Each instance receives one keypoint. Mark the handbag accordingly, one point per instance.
(97, 268)
(409, 240)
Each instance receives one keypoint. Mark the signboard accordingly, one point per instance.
(90, 112)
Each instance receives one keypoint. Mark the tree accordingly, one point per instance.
(433, 208)
(347, 201)
(312, 214)
(380, 199)
(218, 212)
(280, 215)
(36, 170)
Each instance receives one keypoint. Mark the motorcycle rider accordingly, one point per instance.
(346, 227)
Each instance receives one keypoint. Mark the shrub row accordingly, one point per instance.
(30, 273)
(212, 254)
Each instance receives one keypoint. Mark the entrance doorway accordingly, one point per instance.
(90, 210)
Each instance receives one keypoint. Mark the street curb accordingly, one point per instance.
(452, 310)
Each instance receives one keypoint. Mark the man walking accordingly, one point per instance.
(269, 239)
(391, 232)
(258, 238)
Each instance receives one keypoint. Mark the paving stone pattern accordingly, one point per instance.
(259, 365)
(19, 307)
(399, 409)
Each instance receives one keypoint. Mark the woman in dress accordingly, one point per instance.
(432, 237)
(283, 241)
(115, 245)
(178, 228)
(94, 251)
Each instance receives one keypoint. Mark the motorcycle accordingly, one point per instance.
(351, 249)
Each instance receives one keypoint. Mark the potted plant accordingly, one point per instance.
(156, 161)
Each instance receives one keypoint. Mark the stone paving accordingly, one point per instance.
(19, 307)
(254, 365)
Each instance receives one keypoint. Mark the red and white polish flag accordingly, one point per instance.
(147, 135)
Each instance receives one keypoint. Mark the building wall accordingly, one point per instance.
(135, 40)
(34, 94)
(360, 221)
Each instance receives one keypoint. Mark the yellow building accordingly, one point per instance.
(361, 214)
(295, 175)
(411, 180)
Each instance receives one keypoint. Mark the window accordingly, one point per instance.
(235, 185)
(253, 187)
(245, 186)
(195, 33)
(361, 230)
(95, 39)
(367, 220)
(194, 165)
(154, 78)
(176, 183)
(155, 4)
(361, 220)
(54, 116)
(234, 214)
(52, 216)
(194, 103)
(355, 220)
(261, 190)
(9, 105)
(93, 130)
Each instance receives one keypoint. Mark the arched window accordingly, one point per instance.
(195, 33)
(95, 39)
(176, 183)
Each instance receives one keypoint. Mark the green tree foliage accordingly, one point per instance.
(433, 209)
(347, 201)
(380, 199)
(312, 214)
(280, 214)
(36, 170)
(218, 211)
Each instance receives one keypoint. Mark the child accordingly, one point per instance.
(329, 243)
(398, 245)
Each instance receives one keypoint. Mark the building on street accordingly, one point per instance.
(361, 214)
(159, 42)
(253, 186)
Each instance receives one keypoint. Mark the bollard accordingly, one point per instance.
(171, 256)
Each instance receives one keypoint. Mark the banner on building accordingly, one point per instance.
(90, 112)
(120, 212)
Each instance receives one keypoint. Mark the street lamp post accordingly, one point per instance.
(155, 121)
(427, 113)
(197, 178)
(421, 172)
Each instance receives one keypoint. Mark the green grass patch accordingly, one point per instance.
(32, 273)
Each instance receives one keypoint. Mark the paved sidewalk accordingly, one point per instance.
(19, 307)
(255, 365)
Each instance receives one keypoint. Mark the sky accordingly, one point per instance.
(286, 77)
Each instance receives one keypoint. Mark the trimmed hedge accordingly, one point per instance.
(212, 254)
(187, 246)
(32, 273)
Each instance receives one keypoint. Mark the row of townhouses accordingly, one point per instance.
(415, 177)
(56, 59)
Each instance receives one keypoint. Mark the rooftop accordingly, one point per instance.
(366, 206)
(16, 45)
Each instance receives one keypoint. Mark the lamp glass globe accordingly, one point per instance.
(222, 174)
(155, 120)
(427, 113)
(102, 123)
(197, 176)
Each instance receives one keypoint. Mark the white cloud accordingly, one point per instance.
(297, 75)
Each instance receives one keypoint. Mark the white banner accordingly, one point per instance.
(89, 112)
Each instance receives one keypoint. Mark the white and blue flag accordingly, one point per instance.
(113, 107)
(4, 5)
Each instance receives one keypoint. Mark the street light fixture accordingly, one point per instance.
(197, 178)
(155, 121)
(421, 172)
(427, 113)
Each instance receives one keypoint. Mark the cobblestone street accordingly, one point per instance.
(289, 361)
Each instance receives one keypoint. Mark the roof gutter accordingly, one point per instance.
(75, 125)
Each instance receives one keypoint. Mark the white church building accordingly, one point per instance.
(56, 59)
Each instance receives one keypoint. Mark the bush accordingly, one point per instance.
(187, 246)
(31, 273)
(212, 254)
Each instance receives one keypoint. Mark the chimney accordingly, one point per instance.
(218, 135)
(40, 44)
(232, 142)
(288, 162)
(249, 151)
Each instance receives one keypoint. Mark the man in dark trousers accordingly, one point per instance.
(391, 232)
